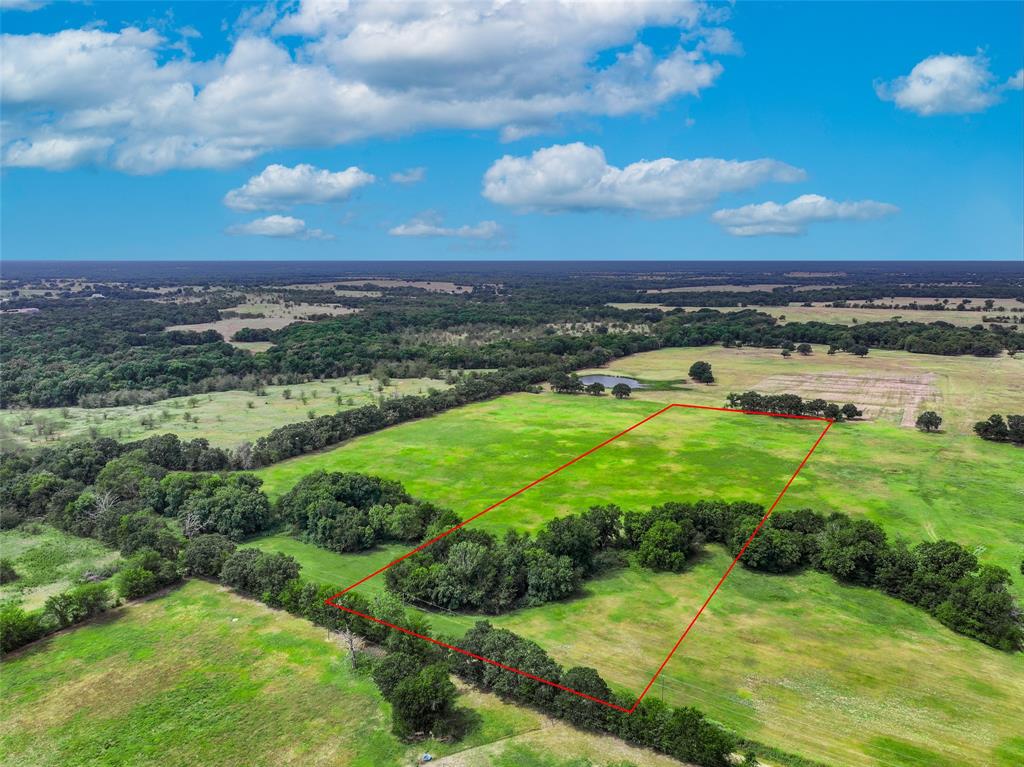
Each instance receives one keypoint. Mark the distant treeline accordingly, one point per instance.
(995, 429)
(75, 351)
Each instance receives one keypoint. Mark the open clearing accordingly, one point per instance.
(48, 562)
(202, 676)
(823, 313)
(276, 316)
(224, 418)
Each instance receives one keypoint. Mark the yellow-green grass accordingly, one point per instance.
(225, 418)
(920, 486)
(48, 562)
(840, 674)
(201, 676)
(839, 316)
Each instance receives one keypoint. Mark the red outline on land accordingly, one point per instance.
(828, 425)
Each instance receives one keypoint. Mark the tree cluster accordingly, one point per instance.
(351, 512)
(995, 429)
(471, 569)
(792, 404)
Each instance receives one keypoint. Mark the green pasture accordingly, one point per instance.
(225, 418)
(920, 486)
(840, 674)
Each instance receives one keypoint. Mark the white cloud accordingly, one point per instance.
(576, 177)
(428, 225)
(279, 226)
(944, 84)
(56, 152)
(410, 176)
(356, 70)
(22, 5)
(793, 217)
(279, 186)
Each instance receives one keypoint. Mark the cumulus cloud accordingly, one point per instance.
(279, 186)
(577, 177)
(329, 73)
(410, 176)
(281, 227)
(944, 84)
(428, 225)
(793, 217)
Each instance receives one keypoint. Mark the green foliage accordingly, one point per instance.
(135, 582)
(700, 372)
(78, 604)
(424, 703)
(18, 628)
(929, 420)
(622, 391)
(7, 571)
(205, 555)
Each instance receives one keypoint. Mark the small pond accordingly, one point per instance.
(610, 381)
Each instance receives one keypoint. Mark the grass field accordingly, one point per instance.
(224, 418)
(201, 676)
(929, 486)
(47, 562)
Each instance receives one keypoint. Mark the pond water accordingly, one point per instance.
(610, 381)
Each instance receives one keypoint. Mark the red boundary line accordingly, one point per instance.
(567, 464)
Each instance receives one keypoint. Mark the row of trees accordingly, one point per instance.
(472, 570)
(414, 675)
(792, 404)
(942, 577)
(318, 433)
(995, 429)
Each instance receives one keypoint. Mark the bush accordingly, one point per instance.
(7, 572)
(77, 604)
(18, 628)
(135, 582)
(205, 555)
(10, 519)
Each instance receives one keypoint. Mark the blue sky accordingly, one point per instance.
(681, 131)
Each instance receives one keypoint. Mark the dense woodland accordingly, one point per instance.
(114, 350)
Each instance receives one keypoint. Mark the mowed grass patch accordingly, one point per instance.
(920, 486)
(48, 561)
(471, 457)
(202, 676)
(840, 674)
(225, 418)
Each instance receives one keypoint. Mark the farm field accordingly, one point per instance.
(847, 316)
(48, 561)
(891, 386)
(202, 676)
(931, 486)
(224, 418)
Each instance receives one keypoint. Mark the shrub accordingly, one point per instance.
(7, 572)
(205, 555)
(135, 582)
(18, 628)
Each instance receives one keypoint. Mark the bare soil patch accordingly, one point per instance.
(899, 397)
